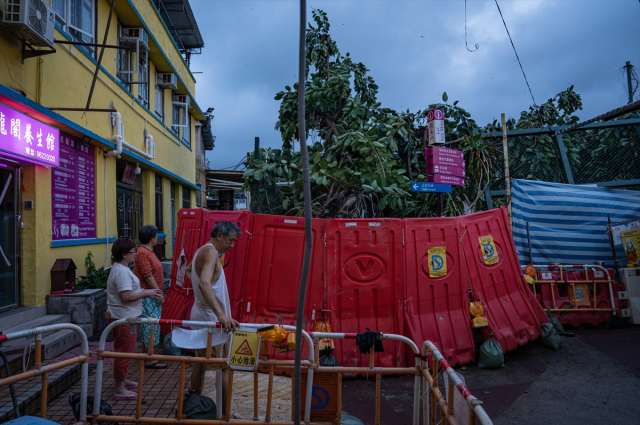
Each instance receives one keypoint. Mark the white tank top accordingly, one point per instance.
(201, 311)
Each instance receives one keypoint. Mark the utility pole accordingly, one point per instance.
(256, 150)
(629, 68)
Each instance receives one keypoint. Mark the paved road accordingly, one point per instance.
(593, 379)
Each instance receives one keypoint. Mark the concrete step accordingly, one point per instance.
(28, 392)
(16, 316)
(49, 319)
(62, 341)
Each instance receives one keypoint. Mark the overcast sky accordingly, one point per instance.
(415, 51)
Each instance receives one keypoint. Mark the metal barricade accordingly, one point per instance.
(217, 363)
(446, 406)
(44, 371)
(572, 283)
(310, 365)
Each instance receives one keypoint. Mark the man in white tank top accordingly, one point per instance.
(212, 298)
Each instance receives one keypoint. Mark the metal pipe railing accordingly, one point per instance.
(446, 406)
(271, 365)
(561, 268)
(43, 371)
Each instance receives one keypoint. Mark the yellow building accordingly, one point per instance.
(72, 181)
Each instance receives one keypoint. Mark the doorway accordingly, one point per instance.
(9, 220)
(129, 203)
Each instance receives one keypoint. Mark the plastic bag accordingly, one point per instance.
(105, 409)
(491, 355)
(555, 322)
(168, 349)
(327, 359)
(198, 406)
(550, 337)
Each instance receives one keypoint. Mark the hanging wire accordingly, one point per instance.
(465, 29)
(514, 50)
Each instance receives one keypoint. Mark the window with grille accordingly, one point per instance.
(77, 18)
(159, 204)
(186, 197)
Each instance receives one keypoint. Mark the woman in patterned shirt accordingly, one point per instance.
(148, 269)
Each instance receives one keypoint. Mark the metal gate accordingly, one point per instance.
(130, 214)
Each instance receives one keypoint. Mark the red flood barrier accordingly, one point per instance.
(178, 301)
(270, 294)
(234, 260)
(437, 308)
(496, 280)
(364, 262)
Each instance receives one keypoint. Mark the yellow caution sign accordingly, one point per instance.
(245, 347)
(489, 251)
(437, 258)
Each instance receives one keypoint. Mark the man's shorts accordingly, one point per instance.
(217, 351)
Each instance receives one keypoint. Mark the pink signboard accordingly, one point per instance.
(445, 179)
(437, 151)
(445, 169)
(26, 138)
(73, 196)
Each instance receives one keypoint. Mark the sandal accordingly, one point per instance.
(131, 396)
(155, 365)
(132, 386)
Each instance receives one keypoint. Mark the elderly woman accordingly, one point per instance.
(148, 269)
(124, 301)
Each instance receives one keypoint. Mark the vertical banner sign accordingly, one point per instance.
(28, 138)
(489, 252)
(435, 122)
(73, 191)
(245, 347)
(437, 258)
(631, 244)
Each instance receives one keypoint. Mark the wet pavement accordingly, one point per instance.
(594, 378)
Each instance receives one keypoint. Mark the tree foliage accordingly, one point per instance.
(363, 156)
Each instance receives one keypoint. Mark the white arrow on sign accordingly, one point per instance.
(415, 186)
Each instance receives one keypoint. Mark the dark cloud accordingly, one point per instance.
(415, 51)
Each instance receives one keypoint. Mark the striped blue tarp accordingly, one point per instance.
(568, 223)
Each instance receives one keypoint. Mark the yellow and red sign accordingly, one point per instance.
(437, 257)
(489, 251)
(245, 347)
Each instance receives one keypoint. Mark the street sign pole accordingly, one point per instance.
(440, 205)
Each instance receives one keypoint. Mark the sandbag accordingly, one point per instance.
(491, 355)
(555, 322)
(550, 337)
(168, 349)
(105, 408)
(327, 359)
(198, 406)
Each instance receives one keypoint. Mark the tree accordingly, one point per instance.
(363, 156)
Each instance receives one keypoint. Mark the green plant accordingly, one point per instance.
(96, 278)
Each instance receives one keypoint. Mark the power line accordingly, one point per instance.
(514, 50)
(465, 29)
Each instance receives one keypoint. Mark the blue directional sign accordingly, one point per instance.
(430, 187)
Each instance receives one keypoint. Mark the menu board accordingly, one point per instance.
(73, 194)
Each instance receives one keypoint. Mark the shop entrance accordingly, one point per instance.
(8, 237)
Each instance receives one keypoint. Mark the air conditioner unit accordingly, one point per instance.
(167, 80)
(181, 99)
(129, 36)
(31, 20)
